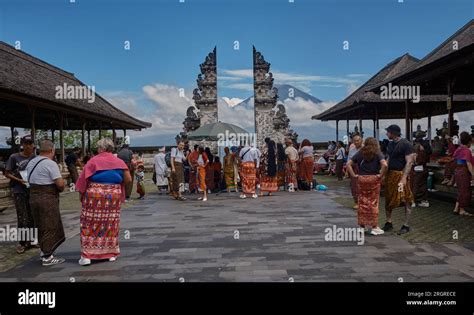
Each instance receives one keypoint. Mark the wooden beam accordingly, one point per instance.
(12, 133)
(347, 127)
(376, 124)
(337, 130)
(32, 111)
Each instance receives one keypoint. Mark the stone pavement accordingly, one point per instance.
(278, 238)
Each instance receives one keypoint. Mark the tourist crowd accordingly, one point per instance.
(106, 181)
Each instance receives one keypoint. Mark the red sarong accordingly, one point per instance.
(463, 182)
(248, 177)
(368, 200)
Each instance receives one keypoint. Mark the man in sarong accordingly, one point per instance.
(290, 168)
(15, 164)
(397, 187)
(46, 182)
(420, 172)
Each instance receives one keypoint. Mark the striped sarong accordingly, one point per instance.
(100, 219)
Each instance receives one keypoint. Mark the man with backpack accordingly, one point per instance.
(14, 166)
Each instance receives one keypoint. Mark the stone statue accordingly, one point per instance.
(443, 132)
(191, 122)
(280, 119)
(419, 134)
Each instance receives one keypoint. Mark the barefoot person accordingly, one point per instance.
(102, 190)
(464, 173)
(372, 167)
(16, 163)
(46, 182)
(397, 188)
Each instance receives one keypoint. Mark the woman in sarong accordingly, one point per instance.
(463, 174)
(210, 171)
(281, 164)
(229, 170)
(372, 167)
(268, 168)
(201, 171)
(249, 163)
(217, 168)
(102, 190)
(178, 157)
(306, 164)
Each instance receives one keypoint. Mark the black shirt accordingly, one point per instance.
(397, 151)
(371, 167)
(71, 159)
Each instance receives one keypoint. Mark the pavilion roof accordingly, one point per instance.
(395, 67)
(28, 78)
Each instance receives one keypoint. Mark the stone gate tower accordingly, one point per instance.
(205, 96)
(270, 120)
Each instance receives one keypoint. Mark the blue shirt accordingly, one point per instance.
(108, 177)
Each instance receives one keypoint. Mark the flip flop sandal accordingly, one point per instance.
(466, 214)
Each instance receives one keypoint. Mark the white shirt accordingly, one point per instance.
(249, 154)
(177, 155)
(45, 173)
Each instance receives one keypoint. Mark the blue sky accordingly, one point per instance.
(302, 40)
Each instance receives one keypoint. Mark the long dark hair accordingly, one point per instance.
(271, 158)
(209, 155)
(281, 152)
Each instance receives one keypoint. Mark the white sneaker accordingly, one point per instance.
(413, 205)
(424, 204)
(84, 261)
(243, 196)
(254, 196)
(204, 199)
(112, 259)
(377, 231)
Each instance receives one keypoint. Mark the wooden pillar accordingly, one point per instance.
(337, 130)
(407, 121)
(429, 127)
(449, 106)
(100, 131)
(347, 127)
(360, 124)
(33, 123)
(52, 135)
(61, 138)
(376, 125)
(14, 147)
(88, 140)
(83, 138)
(114, 135)
(124, 133)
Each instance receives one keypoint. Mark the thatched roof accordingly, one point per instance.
(463, 38)
(361, 95)
(27, 80)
